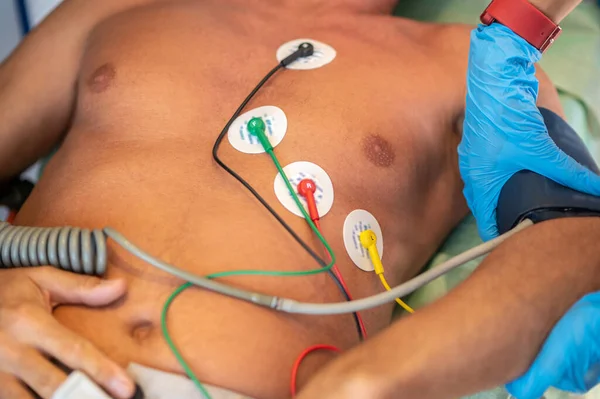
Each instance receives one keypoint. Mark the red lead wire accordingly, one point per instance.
(299, 360)
(307, 189)
(12, 215)
(338, 274)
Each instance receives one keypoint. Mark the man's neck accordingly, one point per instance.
(349, 6)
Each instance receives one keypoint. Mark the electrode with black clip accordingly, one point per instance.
(304, 50)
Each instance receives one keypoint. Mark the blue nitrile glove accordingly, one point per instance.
(504, 131)
(570, 357)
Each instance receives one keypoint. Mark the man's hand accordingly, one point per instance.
(29, 333)
(504, 131)
(570, 357)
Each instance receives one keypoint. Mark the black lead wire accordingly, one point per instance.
(215, 154)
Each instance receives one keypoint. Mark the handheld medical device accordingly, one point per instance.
(79, 386)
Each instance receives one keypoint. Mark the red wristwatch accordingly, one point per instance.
(523, 19)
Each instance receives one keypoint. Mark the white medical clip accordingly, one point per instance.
(79, 386)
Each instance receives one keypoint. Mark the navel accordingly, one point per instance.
(102, 78)
(141, 330)
(378, 150)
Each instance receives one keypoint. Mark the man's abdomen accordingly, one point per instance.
(172, 202)
(170, 199)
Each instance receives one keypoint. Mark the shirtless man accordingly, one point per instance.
(139, 89)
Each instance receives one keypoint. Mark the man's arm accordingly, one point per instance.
(491, 328)
(484, 333)
(37, 83)
(556, 10)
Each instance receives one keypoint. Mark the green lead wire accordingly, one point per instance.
(301, 207)
(256, 127)
(173, 347)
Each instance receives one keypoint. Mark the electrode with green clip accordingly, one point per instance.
(257, 128)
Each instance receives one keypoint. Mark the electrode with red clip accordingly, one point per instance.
(307, 189)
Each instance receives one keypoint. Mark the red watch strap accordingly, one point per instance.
(524, 19)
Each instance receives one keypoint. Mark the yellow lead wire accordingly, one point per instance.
(400, 301)
(368, 240)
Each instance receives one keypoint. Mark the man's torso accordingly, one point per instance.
(156, 86)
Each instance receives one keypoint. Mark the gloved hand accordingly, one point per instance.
(504, 131)
(570, 357)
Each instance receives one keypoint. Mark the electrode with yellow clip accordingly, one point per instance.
(368, 240)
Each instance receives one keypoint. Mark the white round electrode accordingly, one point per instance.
(276, 127)
(356, 222)
(296, 172)
(323, 54)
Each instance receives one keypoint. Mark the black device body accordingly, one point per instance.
(13, 194)
(528, 195)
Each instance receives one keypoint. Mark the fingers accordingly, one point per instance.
(70, 288)
(11, 388)
(567, 360)
(486, 222)
(592, 299)
(592, 377)
(71, 350)
(566, 171)
(536, 381)
(526, 387)
(548, 367)
(488, 229)
(521, 390)
(29, 366)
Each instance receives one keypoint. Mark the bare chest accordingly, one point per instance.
(383, 108)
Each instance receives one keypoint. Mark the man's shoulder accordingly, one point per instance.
(452, 38)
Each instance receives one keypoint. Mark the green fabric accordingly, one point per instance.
(573, 64)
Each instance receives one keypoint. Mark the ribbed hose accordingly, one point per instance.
(69, 248)
(84, 251)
